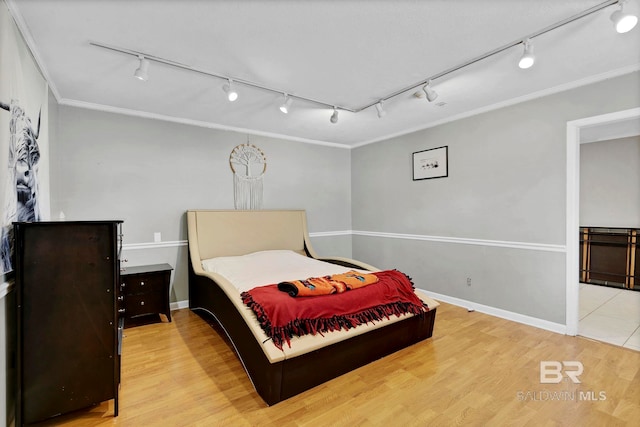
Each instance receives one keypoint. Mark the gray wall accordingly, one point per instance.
(149, 172)
(610, 183)
(506, 183)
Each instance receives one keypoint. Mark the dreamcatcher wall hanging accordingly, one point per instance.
(248, 164)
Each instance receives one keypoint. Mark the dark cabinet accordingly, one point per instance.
(145, 290)
(68, 331)
(610, 257)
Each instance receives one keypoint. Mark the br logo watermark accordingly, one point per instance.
(551, 371)
(555, 372)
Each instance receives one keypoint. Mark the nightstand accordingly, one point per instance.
(145, 290)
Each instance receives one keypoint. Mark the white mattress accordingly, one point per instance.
(269, 267)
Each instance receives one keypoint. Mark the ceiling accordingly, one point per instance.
(349, 53)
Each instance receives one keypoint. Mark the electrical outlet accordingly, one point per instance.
(468, 281)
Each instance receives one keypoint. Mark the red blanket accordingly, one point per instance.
(283, 317)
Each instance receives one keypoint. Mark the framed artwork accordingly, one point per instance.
(24, 144)
(432, 163)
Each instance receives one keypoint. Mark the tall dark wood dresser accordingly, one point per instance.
(68, 328)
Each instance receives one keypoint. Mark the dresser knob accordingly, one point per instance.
(141, 283)
(141, 302)
(121, 298)
(121, 310)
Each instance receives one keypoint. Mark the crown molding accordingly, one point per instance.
(513, 101)
(190, 122)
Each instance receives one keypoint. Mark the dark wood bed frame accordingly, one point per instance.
(275, 382)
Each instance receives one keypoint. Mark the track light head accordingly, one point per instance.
(232, 95)
(334, 116)
(623, 22)
(528, 58)
(286, 104)
(380, 109)
(142, 72)
(428, 90)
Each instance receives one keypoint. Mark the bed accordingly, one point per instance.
(220, 238)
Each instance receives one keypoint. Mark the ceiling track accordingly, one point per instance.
(413, 86)
(218, 75)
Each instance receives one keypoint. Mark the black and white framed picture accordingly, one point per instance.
(432, 163)
(24, 144)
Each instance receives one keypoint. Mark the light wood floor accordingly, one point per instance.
(476, 370)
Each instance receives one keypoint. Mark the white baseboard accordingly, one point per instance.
(497, 312)
(178, 305)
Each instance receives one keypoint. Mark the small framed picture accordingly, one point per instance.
(432, 163)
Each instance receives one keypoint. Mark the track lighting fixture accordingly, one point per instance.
(232, 95)
(286, 104)
(334, 116)
(527, 59)
(428, 90)
(143, 69)
(624, 22)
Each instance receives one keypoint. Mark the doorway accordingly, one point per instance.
(606, 126)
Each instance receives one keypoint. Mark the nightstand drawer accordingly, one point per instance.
(141, 283)
(139, 304)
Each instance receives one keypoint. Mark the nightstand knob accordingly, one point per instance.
(121, 310)
(141, 302)
(121, 298)
(141, 283)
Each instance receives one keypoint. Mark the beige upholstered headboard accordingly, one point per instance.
(233, 232)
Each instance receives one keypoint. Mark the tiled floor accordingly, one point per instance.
(610, 315)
